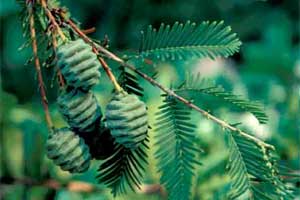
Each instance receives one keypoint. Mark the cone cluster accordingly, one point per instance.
(88, 135)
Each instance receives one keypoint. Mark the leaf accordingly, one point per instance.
(176, 153)
(185, 41)
(33, 10)
(253, 171)
(124, 170)
(194, 84)
(129, 82)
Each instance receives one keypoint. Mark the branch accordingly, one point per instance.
(95, 49)
(75, 186)
(100, 49)
(53, 21)
(220, 122)
(150, 189)
(38, 67)
(60, 77)
(84, 37)
(88, 31)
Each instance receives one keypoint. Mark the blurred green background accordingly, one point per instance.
(266, 69)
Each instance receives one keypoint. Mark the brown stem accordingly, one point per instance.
(95, 49)
(54, 41)
(100, 49)
(38, 68)
(110, 74)
(88, 31)
(150, 189)
(220, 122)
(75, 186)
(60, 77)
(53, 21)
(88, 40)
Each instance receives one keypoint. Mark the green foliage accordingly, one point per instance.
(129, 82)
(186, 41)
(124, 170)
(195, 85)
(253, 171)
(268, 55)
(40, 23)
(176, 152)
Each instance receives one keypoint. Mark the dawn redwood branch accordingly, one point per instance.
(52, 20)
(96, 51)
(38, 67)
(100, 49)
(188, 103)
(60, 77)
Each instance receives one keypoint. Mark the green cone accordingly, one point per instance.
(80, 109)
(126, 117)
(78, 64)
(68, 151)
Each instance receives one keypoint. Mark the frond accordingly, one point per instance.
(129, 82)
(253, 171)
(291, 176)
(184, 41)
(124, 170)
(40, 20)
(176, 152)
(44, 41)
(195, 84)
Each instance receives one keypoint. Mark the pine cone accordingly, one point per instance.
(68, 151)
(78, 64)
(80, 109)
(127, 119)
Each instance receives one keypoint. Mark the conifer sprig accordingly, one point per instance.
(189, 40)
